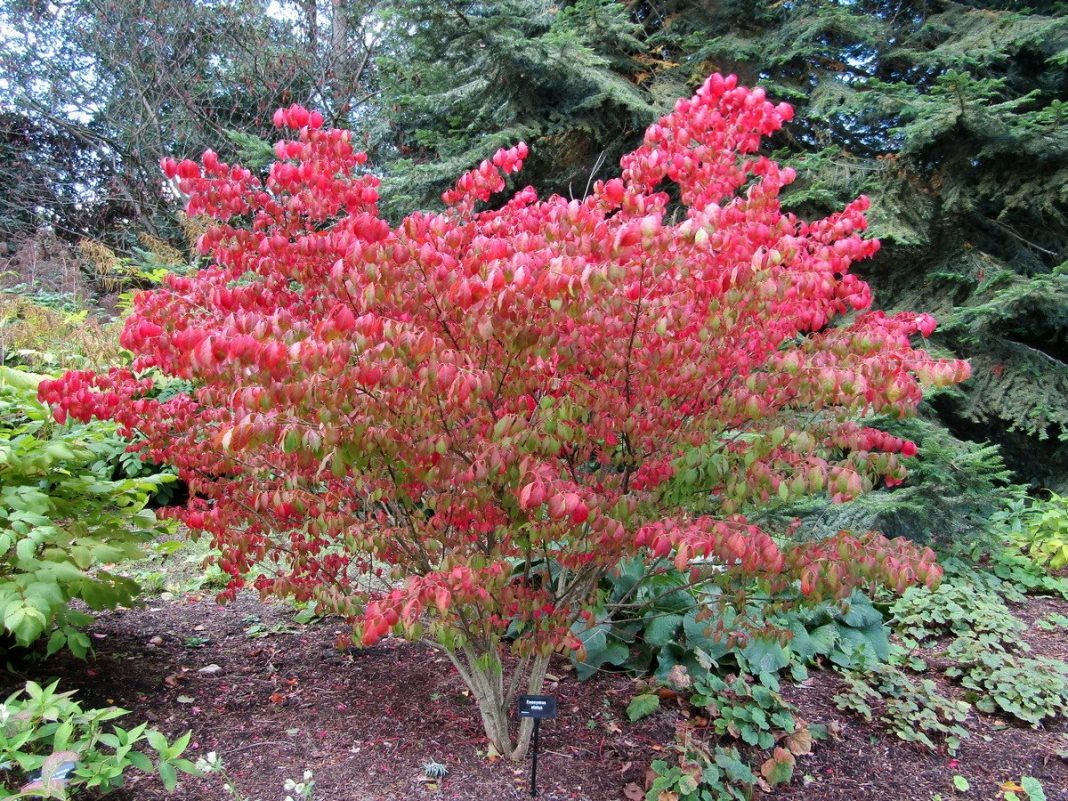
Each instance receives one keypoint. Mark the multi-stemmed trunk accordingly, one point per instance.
(496, 689)
(496, 693)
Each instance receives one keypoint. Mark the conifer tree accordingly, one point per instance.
(951, 116)
(461, 79)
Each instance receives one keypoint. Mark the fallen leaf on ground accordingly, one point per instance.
(800, 742)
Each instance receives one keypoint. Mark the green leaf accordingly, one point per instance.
(860, 614)
(778, 769)
(766, 656)
(661, 629)
(26, 549)
(601, 648)
(737, 770)
(168, 775)
(157, 741)
(961, 784)
(25, 622)
(140, 761)
(702, 634)
(641, 706)
(824, 638)
(178, 746)
(56, 641)
(60, 450)
(1033, 788)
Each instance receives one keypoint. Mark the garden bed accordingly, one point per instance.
(274, 698)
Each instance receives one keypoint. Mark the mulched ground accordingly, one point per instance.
(366, 720)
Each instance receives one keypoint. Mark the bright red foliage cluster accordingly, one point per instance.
(421, 424)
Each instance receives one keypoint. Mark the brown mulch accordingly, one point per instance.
(864, 762)
(365, 721)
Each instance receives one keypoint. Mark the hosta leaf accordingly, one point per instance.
(766, 656)
(661, 629)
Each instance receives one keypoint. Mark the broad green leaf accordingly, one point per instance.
(168, 776)
(661, 629)
(766, 656)
(1033, 788)
(641, 706)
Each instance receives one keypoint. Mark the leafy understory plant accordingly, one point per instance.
(914, 710)
(455, 427)
(1025, 688)
(656, 621)
(701, 773)
(64, 521)
(1016, 555)
(1028, 788)
(745, 708)
(1045, 534)
(957, 608)
(51, 747)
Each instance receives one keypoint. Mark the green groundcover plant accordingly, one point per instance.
(65, 522)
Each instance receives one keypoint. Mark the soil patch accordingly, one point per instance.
(284, 699)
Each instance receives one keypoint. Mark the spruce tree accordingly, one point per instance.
(951, 116)
(462, 78)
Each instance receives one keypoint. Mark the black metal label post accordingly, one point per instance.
(538, 707)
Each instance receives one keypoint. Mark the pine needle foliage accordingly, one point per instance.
(462, 79)
(953, 489)
(952, 117)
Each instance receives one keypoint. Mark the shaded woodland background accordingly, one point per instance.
(951, 116)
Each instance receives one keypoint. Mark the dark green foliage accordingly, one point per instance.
(1028, 689)
(913, 710)
(660, 623)
(746, 708)
(719, 775)
(953, 489)
(951, 118)
(41, 164)
(461, 79)
(852, 634)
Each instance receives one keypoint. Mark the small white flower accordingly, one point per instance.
(206, 765)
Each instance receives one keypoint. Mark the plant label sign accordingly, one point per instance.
(539, 707)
